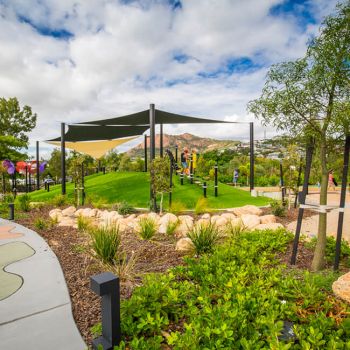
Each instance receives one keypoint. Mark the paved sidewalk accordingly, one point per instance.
(35, 308)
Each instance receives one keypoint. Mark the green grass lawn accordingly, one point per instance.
(133, 187)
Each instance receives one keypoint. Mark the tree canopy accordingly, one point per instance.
(15, 123)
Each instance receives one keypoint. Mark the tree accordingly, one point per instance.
(160, 174)
(14, 124)
(310, 96)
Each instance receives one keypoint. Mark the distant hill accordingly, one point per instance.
(190, 141)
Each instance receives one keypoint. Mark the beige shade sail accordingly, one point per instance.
(95, 149)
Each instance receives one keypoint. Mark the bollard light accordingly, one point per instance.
(11, 211)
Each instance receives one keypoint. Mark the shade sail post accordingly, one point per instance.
(145, 147)
(152, 122)
(342, 203)
(308, 163)
(161, 141)
(37, 166)
(251, 156)
(63, 158)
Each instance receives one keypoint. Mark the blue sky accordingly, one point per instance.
(85, 59)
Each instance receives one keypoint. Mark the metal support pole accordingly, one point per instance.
(191, 169)
(282, 182)
(342, 203)
(107, 286)
(30, 181)
(205, 189)
(82, 184)
(37, 167)
(161, 141)
(176, 153)
(308, 162)
(216, 179)
(251, 156)
(99, 165)
(152, 123)
(171, 185)
(26, 182)
(298, 183)
(11, 211)
(63, 158)
(145, 146)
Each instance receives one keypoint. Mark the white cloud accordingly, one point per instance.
(121, 57)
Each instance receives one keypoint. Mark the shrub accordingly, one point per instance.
(148, 228)
(83, 223)
(201, 206)
(59, 201)
(24, 202)
(177, 207)
(171, 227)
(278, 208)
(105, 243)
(40, 224)
(124, 208)
(204, 238)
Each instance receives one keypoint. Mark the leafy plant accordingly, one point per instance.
(24, 202)
(277, 208)
(40, 224)
(83, 223)
(105, 243)
(172, 226)
(204, 238)
(147, 228)
(201, 206)
(124, 208)
(59, 201)
(177, 207)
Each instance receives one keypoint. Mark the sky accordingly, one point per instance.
(78, 60)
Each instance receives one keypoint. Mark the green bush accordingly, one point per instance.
(24, 202)
(148, 228)
(204, 238)
(40, 224)
(59, 201)
(278, 209)
(201, 206)
(171, 227)
(105, 243)
(237, 298)
(124, 208)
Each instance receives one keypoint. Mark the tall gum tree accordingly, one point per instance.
(310, 97)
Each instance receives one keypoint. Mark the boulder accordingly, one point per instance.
(55, 214)
(92, 213)
(214, 218)
(202, 222)
(271, 226)
(130, 217)
(78, 212)
(185, 225)
(169, 217)
(247, 209)
(67, 221)
(184, 245)
(268, 219)
(250, 221)
(154, 216)
(228, 216)
(221, 222)
(205, 216)
(341, 287)
(69, 211)
(86, 212)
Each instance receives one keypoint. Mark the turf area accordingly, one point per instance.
(133, 187)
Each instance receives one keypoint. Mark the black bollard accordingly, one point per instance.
(216, 179)
(176, 153)
(191, 170)
(107, 286)
(182, 178)
(205, 189)
(11, 211)
(48, 187)
(170, 185)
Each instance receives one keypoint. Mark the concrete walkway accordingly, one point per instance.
(310, 225)
(35, 308)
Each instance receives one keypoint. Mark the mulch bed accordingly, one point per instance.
(78, 263)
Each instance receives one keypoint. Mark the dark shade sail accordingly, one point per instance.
(162, 117)
(77, 133)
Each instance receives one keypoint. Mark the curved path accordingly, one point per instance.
(35, 308)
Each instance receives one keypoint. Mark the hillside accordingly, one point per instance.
(185, 140)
